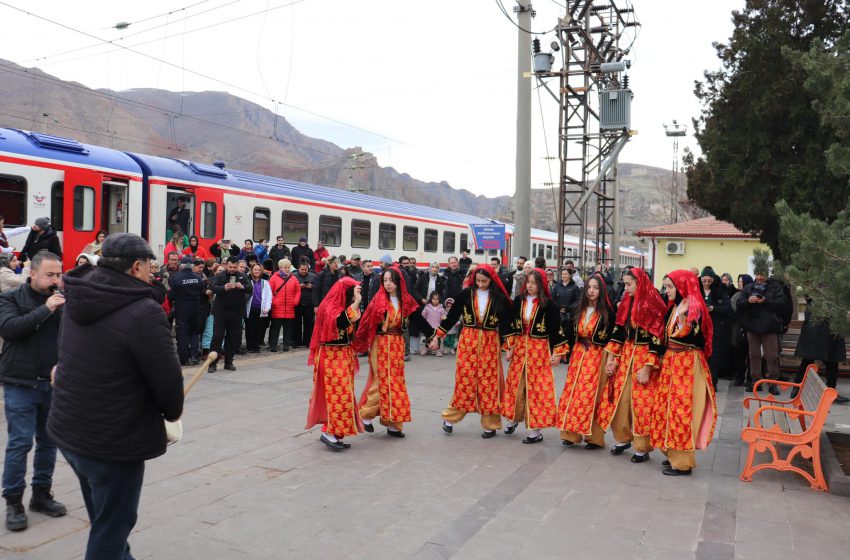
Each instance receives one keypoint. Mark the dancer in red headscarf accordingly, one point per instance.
(380, 332)
(685, 411)
(635, 350)
(332, 402)
(537, 343)
(485, 310)
(586, 378)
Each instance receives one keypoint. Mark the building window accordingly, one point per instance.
(13, 200)
(431, 240)
(57, 205)
(83, 208)
(386, 236)
(262, 223)
(330, 230)
(208, 220)
(410, 238)
(294, 225)
(361, 234)
(448, 242)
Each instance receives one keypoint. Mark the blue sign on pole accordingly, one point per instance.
(489, 236)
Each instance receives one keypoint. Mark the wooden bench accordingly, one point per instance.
(797, 423)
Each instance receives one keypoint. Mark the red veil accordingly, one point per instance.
(688, 288)
(325, 329)
(494, 278)
(647, 309)
(377, 310)
(545, 286)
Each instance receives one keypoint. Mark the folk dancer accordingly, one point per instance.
(586, 377)
(332, 402)
(380, 333)
(685, 410)
(485, 311)
(635, 352)
(535, 346)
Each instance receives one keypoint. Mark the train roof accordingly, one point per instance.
(47, 147)
(190, 171)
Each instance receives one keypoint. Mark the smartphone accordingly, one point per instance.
(232, 279)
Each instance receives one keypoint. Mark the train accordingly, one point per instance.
(85, 188)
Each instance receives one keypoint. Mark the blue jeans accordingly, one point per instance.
(26, 415)
(111, 491)
(206, 337)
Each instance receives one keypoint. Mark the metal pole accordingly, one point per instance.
(521, 243)
(615, 239)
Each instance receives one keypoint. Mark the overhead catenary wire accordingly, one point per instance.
(206, 76)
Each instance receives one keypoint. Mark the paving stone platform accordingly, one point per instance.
(248, 482)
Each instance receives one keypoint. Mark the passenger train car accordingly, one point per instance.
(85, 188)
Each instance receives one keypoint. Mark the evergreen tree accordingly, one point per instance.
(761, 141)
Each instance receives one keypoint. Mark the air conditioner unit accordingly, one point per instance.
(675, 247)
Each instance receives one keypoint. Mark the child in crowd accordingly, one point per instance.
(434, 313)
(450, 342)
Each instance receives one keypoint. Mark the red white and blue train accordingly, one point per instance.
(85, 188)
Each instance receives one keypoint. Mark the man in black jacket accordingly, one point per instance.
(758, 312)
(29, 324)
(305, 316)
(186, 288)
(454, 279)
(303, 251)
(278, 252)
(230, 287)
(117, 378)
(325, 281)
(42, 238)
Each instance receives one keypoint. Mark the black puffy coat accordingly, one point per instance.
(324, 282)
(47, 240)
(722, 318)
(118, 375)
(30, 331)
(422, 287)
(818, 342)
(454, 283)
(566, 297)
(298, 251)
(762, 318)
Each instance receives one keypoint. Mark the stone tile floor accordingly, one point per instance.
(249, 482)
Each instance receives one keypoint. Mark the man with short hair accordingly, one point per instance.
(454, 279)
(42, 237)
(29, 324)
(321, 256)
(465, 262)
(325, 281)
(758, 312)
(505, 276)
(279, 252)
(186, 288)
(117, 379)
(354, 268)
(570, 265)
(366, 283)
(172, 266)
(230, 287)
(518, 276)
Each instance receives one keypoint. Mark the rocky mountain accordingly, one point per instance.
(211, 125)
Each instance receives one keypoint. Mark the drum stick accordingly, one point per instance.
(200, 373)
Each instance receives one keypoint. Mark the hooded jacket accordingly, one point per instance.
(306, 252)
(118, 374)
(46, 240)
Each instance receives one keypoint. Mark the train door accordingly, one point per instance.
(210, 211)
(182, 217)
(81, 211)
(115, 217)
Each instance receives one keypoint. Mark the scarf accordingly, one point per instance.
(376, 312)
(646, 307)
(688, 288)
(325, 329)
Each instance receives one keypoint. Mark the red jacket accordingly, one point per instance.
(285, 298)
(201, 253)
(320, 254)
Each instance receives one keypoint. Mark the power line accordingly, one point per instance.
(515, 24)
(125, 25)
(206, 76)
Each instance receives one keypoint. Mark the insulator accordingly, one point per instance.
(535, 45)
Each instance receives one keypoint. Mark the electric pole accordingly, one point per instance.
(521, 243)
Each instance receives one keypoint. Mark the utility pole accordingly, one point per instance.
(354, 167)
(521, 243)
(675, 131)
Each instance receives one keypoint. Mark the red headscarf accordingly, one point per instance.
(646, 306)
(688, 288)
(494, 278)
(377, 310)
(325, 329)
(545, 286)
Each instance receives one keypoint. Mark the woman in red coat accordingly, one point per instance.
(194, 249)
(286, 295)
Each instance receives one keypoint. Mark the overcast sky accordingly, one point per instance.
(430, 86)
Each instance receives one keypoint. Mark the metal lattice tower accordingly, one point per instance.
(589, 35)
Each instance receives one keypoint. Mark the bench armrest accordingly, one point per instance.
(775, 382)
(757, 419)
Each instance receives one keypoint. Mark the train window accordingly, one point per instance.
(208, 219)
(431, 241)
(548, 251)
(330, 230)
(57, 199)
(540, 249)
(361, 234)
(386, 236)
(83, 208)
(262, 223)
(13, 200)
(464, 242)
(448, 242)
(533, 250)
(294, 225)
(410, 238)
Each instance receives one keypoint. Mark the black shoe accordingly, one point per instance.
(254, 351)
(670, 471)
(335, 445)
(229, 366)
(620, 449)
(774, 390)
(272, 348)
(184, 363)
(212, 368)
(446, 428)
(589, 445)
(395, 433)
(369, 428)
(16, 516)
(286, 348)
(567, 443)
(841, 400)
(748, 387)
(536, 439)
(665, 463)
(640, 458)
(487, 434)
(344, 445)
(42, 501)
(510, 429)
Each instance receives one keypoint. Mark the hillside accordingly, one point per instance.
(210, 125)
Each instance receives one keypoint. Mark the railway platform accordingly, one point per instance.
(249, 482)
